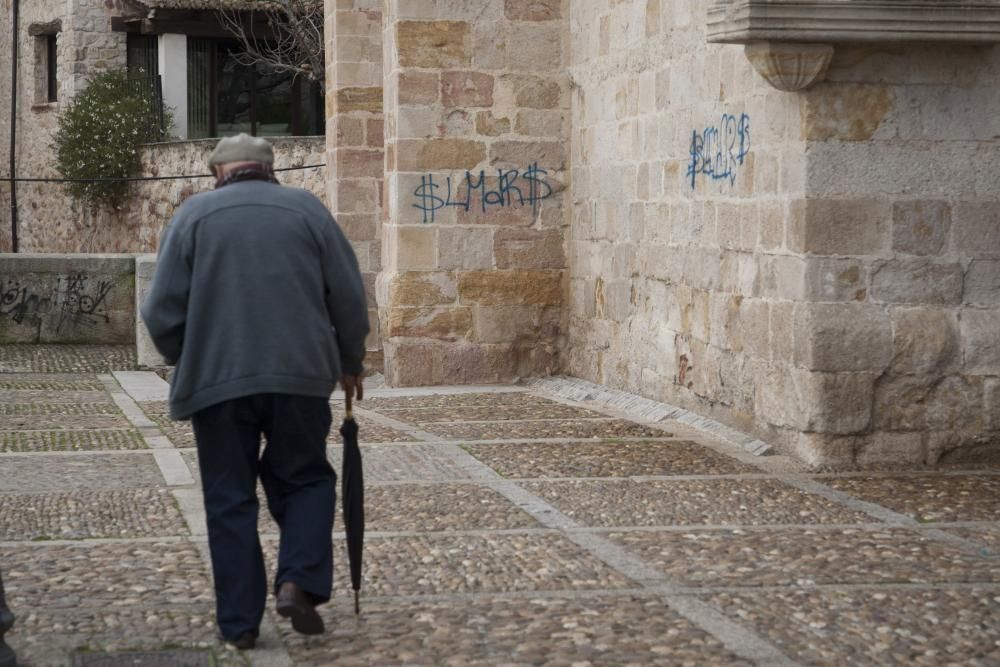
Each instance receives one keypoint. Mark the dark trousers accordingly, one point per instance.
(300, 486)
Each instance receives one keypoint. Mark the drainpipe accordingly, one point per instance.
(13, 130)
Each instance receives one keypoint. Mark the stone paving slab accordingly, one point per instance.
(478, 413)
(986, 536)
(385, 463)
(449, 564)
(45, 639)
(438, 507)
(605, 459)
(795, 557)
(68, 409)
(496, 399)
(89, 514)
(9, 397)
(369, 432)
(49, 382)
(929, 498)
(180, 433)
(27, 473)
(689, 502)
(611, 630)
(895, 627)
(45, 422)
(540, 430)
(67, 440)
(66, 358)
(66, 577)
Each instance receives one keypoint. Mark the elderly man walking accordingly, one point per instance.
(259, 302)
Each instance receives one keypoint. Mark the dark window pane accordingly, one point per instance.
(142, 53)
(52, 66)
(235, 95)
(201, 54)
(274, 102)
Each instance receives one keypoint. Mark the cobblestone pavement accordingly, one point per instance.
(505, 526)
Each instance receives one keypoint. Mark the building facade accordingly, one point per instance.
(783, 217)
(785, 220)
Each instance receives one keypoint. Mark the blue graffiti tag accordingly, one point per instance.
(718, 152)
(514, 188)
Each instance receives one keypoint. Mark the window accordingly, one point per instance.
(51, 68)
(142, 55)
(226, 97)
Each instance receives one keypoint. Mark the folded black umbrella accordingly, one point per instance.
(353, 500)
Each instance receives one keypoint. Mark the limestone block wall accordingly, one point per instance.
(819, 268)
(47, 298)
(901, 225)
(153, 203)
(356, 138)
(686, 167)
(476, 102)
(85, 46)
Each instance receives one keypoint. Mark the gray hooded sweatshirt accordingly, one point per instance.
(256, 291)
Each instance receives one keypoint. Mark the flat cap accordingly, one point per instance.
(242, 148)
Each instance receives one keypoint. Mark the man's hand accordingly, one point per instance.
(353, 386)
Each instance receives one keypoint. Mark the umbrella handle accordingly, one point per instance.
(348, 411)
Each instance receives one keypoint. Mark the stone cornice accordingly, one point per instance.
(845, 21)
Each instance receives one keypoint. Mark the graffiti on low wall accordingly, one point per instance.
(474, 191)
(73, 304)
(717, 152)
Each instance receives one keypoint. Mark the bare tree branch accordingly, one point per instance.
(295, 40)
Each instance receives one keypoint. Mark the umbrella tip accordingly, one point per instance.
(357, 604)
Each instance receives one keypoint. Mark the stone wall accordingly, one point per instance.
(901, 224)
(48, 221)
(818, 268)
(67, 299)
(153, 203)
(476, 101)
(685, 166)
(355, 138)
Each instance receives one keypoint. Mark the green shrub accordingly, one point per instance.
(99, 135)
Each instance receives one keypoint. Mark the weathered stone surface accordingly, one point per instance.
(518, 248)
(917, 281)
(502, 324)
(842, 337)
(416, 247)
(925, 341)
(991, 394)
(836, 279)
(423, 289)
(979, 338)
(418, 87)
(839, 226)
(976, 229)
(982, 282)
(360, 163)
(433, 43)
(451, 323)
(498, 288)
(435, 154)
(816, 402)
(549, 155)
(921, 227)
(532, 92)
(367, 98)
(845, 112)
(532, 10)
(466, 89)
(489, 125)
(462, 247)
(912, 403)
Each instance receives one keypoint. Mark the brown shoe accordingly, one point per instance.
(293, 603)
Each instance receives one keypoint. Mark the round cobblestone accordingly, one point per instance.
(90, 514)
(66, 358)
(65, 441)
